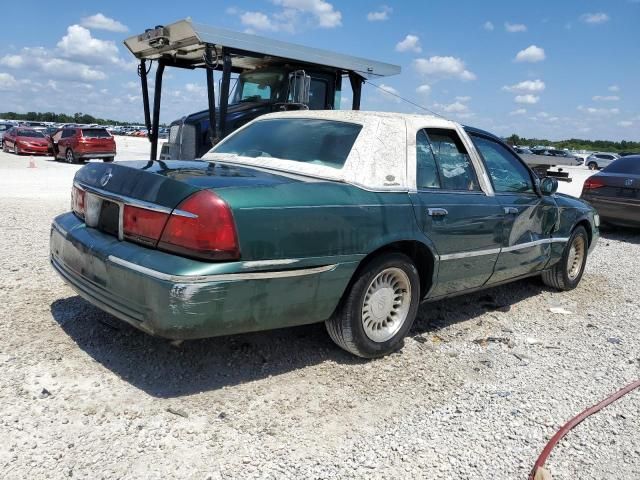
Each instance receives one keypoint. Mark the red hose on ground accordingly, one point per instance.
(575, 421)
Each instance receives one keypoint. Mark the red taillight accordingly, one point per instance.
(77, 201)
(202, 226)
(592, 183)
(142, 225)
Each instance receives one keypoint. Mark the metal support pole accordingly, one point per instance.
(356, 85)
(211, 95)
(142, 71)
(224, 91)
(153, 133)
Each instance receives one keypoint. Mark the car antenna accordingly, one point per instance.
(406, 100)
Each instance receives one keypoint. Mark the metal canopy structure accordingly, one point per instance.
(185, 44)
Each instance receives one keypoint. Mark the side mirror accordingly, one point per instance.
(299, 87)
(548, 186)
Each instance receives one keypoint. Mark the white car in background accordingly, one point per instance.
(599, 160)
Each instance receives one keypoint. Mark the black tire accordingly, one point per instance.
(559, 276)
(70, 157)
(15, 149)
(592, 166)
(346, 326)
(108, 159)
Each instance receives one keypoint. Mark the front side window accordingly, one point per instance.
(507, 173)
(67, 133)
(455, 169)
(318, 142)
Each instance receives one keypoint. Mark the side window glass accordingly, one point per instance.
(427, 170)
(507, 173)
(317, 95)
(455, 169)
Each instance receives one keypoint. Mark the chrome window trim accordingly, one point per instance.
(222, 277)
(493, 251)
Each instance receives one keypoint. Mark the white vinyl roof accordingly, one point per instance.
(382, 158)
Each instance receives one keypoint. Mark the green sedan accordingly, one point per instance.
(347, 218)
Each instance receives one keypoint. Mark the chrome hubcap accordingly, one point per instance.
(69, 156)
(386, 304)
(575, 258)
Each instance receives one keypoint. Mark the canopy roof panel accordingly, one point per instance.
(184, 43)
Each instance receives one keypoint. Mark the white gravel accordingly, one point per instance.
(85, 396)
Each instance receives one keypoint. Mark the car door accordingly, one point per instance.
(462, 221)
(529, 219)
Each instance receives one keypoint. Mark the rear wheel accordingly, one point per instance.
(69, 156)
(567, 273)
(592, 166)
(379, 307)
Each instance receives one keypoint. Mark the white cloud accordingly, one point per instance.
(196, 89)
(527, 99)
(455, 107)
(101, 22)
(7, 81)
(424, 89)
(526, 86)
(463, 99)
(531, 54)
(515, 27)
(594, 18)
(605, 98)
(519, 111)
(614, 88)
(598, 111)
(443, 67)
(389, 93)
(488, 26)
(323, 12)
(625, 123)
(259, 21)
(79, 45)
(411, 43)
(380, 15)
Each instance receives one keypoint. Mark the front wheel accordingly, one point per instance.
(592, 166)
(567, 273)
(16, 150)
(379, 307)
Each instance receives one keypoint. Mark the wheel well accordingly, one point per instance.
(587, 226)
(418, 252)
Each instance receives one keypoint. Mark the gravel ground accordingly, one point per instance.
(482, 383)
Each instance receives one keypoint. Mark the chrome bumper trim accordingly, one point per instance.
(222, 277)
(493, 251)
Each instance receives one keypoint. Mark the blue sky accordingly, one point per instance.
(554, 69)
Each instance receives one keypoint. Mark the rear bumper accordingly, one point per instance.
(124, 280)
(81, 155)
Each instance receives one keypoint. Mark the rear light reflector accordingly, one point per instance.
(202, 226)
(142, 225)
(77, 201)
(592, 183)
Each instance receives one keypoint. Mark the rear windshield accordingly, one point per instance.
(629, 165)
(4, 128)
(30, 133)
(95, 133)
(319, 142)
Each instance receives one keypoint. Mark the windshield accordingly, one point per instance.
(30, 133)
(258, 87)
(319, 142)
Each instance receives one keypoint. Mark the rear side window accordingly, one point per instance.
(454, 168)
(95, 133)
(427, 170)
(629, 165)
(507, 172)
(319, 142)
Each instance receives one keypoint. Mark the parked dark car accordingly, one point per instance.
(21, 140)
(81, 144)
(615, 192)
(4, 127)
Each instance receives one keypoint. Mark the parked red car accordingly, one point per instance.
(80, 144)
(21, 140)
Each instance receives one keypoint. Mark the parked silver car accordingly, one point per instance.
(3, 128)
(599, 160)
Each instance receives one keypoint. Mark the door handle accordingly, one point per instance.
(511, 210)
(437, 212)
